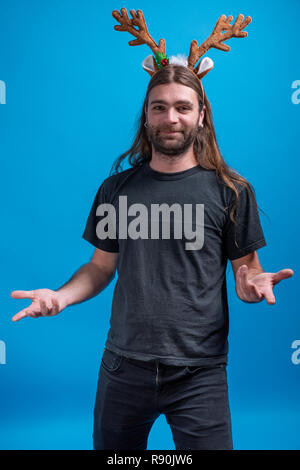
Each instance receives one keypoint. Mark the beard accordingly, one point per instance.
(171, 144)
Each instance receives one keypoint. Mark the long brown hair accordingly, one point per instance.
(206, 148)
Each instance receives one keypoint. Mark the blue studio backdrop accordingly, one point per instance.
(71, 91)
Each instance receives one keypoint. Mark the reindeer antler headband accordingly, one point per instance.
(153, 64)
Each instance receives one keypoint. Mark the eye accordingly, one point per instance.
(183, 108)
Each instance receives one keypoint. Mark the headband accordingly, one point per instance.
(152, 64)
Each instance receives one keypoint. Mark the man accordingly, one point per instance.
(166, 224)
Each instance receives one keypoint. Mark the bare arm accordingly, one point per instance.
(90, 279)
(87, 282)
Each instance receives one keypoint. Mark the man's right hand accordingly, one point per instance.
(45, 302)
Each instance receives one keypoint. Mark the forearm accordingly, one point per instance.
(87, 282)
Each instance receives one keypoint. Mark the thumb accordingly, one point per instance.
(22, 294)
(282, 274)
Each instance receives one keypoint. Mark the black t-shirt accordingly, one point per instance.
(170, 298)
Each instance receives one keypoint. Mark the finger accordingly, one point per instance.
(239, 280)
(22, 294)
(242, 283)
(249, 288)
(33, 311)
(253, 291)
(282, 274)
(55, 307)
(35, 315)
(269, 296)
(258, 294)
(20, 315)
(43, 307)
(244, 278)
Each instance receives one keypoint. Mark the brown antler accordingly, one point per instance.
(216, 37)
(142, 34)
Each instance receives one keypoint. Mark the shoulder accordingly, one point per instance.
(114, 181)
(234, 190)
(239, 185)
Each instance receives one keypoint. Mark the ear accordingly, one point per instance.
(148, 64)
(204, 66)
(202, 115)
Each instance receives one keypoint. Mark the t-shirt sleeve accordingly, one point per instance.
(96, 234)
(248, 232)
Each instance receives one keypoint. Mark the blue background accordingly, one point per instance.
(74, 90)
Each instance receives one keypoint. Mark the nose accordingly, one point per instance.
(171, 116)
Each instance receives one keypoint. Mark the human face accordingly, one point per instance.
(173, 118)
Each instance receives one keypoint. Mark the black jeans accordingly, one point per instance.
(131, 394)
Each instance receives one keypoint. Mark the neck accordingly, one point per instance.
(172, 164)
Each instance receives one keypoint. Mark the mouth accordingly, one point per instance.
(170, 132)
